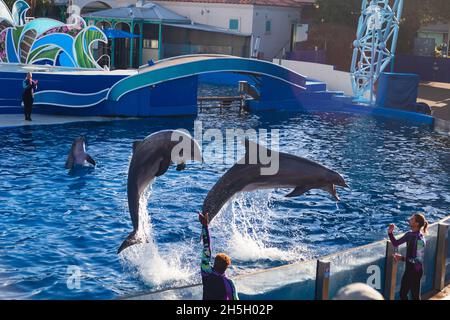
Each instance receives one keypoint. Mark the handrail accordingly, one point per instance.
(281, 50)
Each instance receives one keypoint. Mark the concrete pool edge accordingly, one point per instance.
(15, 120)
(8, 121)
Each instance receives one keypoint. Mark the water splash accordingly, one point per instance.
(246, 225)
(241, 229)
(157, 267)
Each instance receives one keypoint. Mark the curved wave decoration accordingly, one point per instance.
(6, 18)
(46, 41)
(19, 11)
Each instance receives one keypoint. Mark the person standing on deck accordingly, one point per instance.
(415, 251)
(28, 95)
(216, 286)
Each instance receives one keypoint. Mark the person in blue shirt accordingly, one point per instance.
(216, 285)
(28, 95)
(415, 251)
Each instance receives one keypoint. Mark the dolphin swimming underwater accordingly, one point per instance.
(294, 172)
(77, 154)
(152, 158)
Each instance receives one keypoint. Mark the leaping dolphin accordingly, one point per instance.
(294, 172)
(152, 158)
(78, 155)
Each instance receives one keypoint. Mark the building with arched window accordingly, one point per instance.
(145, 31)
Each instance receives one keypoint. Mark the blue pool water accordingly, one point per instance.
(54, 222)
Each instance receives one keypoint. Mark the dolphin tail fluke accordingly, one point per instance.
(131, 240)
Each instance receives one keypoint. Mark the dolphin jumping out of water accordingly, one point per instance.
(152, 158)
(294, 172)
(78, 155)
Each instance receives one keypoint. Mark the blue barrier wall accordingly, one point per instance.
(172, 98)
(11, 84)
(424, 67)
(297, 281)
(447, 261)
(397, 90)
(364, 265)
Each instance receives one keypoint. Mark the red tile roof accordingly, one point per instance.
(278, 3)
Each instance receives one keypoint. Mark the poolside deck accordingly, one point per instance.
(437, 96)
(443, 295)
(16, 120)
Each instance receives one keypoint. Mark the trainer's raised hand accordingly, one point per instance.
(203, 218)
(391, 228)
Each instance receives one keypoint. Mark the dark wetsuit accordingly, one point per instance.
(28, 97)
(415, 250)
(216, 286)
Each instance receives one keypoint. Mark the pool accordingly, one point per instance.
(55, 224)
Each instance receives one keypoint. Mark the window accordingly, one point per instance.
(150, 44)
(268, 26)
(234, 24)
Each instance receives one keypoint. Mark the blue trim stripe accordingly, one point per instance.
(69, 99)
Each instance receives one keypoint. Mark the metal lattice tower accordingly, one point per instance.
(375, 44)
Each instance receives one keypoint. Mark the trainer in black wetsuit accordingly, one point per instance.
(216, 286)
(415, 251)
(28, 95)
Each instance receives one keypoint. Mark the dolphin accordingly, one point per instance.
(78, 155)
(294, 172)
(152, 158)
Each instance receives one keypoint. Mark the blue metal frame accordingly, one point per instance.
(378, 24)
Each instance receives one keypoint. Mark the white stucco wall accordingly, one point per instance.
(335, 80)
(214, 14)
(252, 20)
(281, 19)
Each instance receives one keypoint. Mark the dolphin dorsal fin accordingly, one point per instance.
(136, 145)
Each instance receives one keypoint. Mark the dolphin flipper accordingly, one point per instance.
(163, 166)
(298, 191)
(90, 160)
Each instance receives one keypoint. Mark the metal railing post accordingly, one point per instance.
(441, 256)
(322, 280)
(390, 273)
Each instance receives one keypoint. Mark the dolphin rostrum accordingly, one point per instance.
(293, 172)
(152, 158)
(78, 155)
